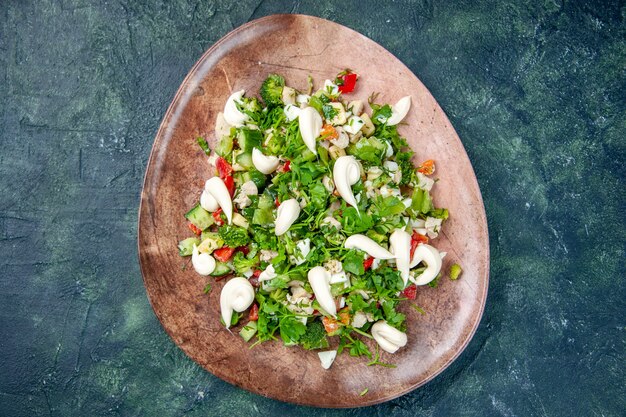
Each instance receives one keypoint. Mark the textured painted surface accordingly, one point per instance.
(536, 92)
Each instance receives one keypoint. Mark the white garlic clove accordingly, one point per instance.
(217, 189)
(269, 273)
(286, 215)
(237, 295)
(289, 95)
(368, 246)
(310, 124)
(388, 338)
(399, 111)
(432, 258)
(264, 163)
(292, 112)
(232, 115)
(207, 201)
(400, 246)
(319, 278)
(302, 99)
(346, 173)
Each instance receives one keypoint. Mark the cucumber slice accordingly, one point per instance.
(266, 201)
(200, 218)
(220, 269)
(249, 139)
(225, 146)
(185, 246)
(262, 216)
(257, 177)
(248, 331)
(240, 177)
(233, 161)
(245, 160)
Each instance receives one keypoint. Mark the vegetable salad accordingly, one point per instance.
(317, 218)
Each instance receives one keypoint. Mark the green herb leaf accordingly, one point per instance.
(308, 172)
(291, 329)
(329, 111)
(204, 145)
(381, 114)
(355, 222)
(358, 348)
(353, 262)
(319, 195)
(388, 206)
(421, 202)
(316, 103)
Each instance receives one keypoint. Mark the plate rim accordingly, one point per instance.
(144, 202)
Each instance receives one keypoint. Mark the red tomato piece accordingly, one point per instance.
(349, 82)
(195, 229)
(276, 202)
(417, 239)
(410, 292)
(367, 263)
(230, 184)
(223, 254)
(254, 312)
(287, 166)
(217, 217)
(224, 169)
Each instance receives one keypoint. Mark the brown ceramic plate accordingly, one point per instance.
(296, 46)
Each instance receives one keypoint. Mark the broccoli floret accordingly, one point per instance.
(251, 107)
(251, 104)
(315, 336)
(243, 264)
(234, 236)
(276, 143)
(272, 90)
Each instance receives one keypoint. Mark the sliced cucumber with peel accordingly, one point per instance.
(200, 218)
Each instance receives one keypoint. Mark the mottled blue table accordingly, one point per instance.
(536, 91)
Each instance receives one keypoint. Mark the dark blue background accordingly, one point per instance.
(536, 91)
